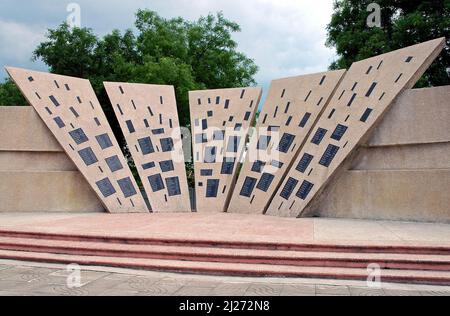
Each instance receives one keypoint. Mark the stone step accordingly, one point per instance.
(251, 256)
(234, 269)
(337, 247)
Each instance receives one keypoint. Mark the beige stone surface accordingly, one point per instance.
(74, 103)
(420, 156)
(220, 126)
(420, 148)
(412, 195)
(22, 130)
(150, 112)
(35, 161)
(46, 191)
(291, 109)
(418, 116)
(366, 92)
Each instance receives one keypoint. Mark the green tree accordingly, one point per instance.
(10, 94)
(190, 55)
(404, 23)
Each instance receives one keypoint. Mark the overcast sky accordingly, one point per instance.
(284, 37)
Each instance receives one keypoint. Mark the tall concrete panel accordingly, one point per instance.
(70, 109)
(36, 174)
(365, 94)
(46, 191)
(290, 111)
(149, 120)
(419, 195)
(419, 116)
(221, 120)
(23, 130)
(402, 172)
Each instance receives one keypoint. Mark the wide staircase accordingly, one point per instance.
(400, 264)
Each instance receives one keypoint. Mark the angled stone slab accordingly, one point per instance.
(291, 109)
(366, 92)
(149, 120)
(70, 109)
(221, 120)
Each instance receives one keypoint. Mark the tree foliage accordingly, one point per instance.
(190, 55)
(10, 95)
(404, 23)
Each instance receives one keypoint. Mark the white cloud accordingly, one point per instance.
(17, 42)
(285, 38)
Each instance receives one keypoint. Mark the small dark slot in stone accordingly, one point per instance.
(120, 109)
(309, 94)
(352, 99)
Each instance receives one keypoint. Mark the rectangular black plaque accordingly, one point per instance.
(289, 188)
(258, 166)
(156, 182)
(212, 187)
(127, 187)
(54, 101)
(304, 190)
(366, 115)
(158, 131)
(248, 187)
(173, 186)
(204, 124)
(114, 163)
(88, 156)
(318, 136)
(59, 122)
(166, 165)
(167, 144)
(286, 142)
(329, 155)
(339, 132)
(130, 126)
(305, 119)
(228, 166)
(79, 136)
(304, 163)
(146, 146)
(206, 172)
(265, 182)
(104, 141)
(149, 165)
(105, 187)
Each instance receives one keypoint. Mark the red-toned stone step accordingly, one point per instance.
(234, 269)
(271, 257)
(316, 247)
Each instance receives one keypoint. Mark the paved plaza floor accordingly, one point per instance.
(22, 278)
(31, 279)
(232, 227)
